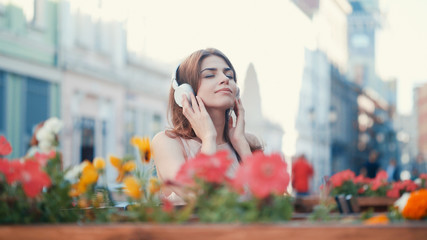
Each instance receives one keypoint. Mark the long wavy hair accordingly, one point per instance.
(189, 72)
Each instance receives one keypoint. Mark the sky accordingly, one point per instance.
(271, 34)
(402, 48)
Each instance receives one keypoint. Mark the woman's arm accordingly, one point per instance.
(168, 157)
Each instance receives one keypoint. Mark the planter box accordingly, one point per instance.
(379, 204)
(291, 230)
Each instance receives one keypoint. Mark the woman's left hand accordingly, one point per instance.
(237, 133)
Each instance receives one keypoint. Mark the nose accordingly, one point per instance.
(225, 79)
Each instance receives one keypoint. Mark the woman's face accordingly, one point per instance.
(217, 86)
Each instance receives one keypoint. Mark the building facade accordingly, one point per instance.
(29, 75)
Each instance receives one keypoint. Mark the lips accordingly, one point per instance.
(224, 90)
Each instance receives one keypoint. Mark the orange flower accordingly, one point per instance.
(416, 207)
(143, 145)
(154, 186)
(99, 163)
(122, 168)
(381, 219)
(132, 187)
(89, 174)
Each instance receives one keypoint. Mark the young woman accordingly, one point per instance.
(203, 123)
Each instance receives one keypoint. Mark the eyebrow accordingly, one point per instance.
(215, 69)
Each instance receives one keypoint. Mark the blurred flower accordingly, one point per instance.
(264, 174)
(47, 134)
(53, 125)
(416, 205)
(143, 145)
(42, 158)
(398, 188)
(339, 178)
(379, 180)
(154, 186)
(381, 219)
(72, 175)
(89, 174)
(5, 148)
(210, 168)
(32, 178)
(167, 206)
(99, 163)
(122, 168)
(132, 187)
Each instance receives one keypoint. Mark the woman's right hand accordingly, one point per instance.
(201, 122)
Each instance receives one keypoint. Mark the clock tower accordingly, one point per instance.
(362, 24)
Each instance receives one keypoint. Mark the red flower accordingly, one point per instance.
(423, 176)
(210, 168)
(264, 174)
(340, 177)
(42, 158)
(398, 188)
(167, 206)
(33, 179)
(28, 173)
(5, 148)
(11, 170)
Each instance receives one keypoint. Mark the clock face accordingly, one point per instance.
(360, 40)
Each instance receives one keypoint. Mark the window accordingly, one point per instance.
(36, 106)
(130, 119)
(2, 102)
(88, 139)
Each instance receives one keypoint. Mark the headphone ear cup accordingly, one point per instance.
(182, 89)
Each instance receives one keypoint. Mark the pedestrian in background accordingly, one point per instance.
(302, 171)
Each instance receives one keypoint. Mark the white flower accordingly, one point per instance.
(53, 124)
(44, 134)
(45, 146)
(401, 202)
(72, 175)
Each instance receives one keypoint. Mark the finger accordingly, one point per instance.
(195, 104)
(186, 108)
(201, 104)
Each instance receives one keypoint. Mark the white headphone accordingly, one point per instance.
(184, 88)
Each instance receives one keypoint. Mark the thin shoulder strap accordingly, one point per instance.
(183, 148)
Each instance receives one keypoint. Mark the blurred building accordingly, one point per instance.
(75, 66)
(270, 134)
(376, 130)
(29, 75)
(407, 136)
(420, 105)
(313, 123)
(344, 122)
(363, 22)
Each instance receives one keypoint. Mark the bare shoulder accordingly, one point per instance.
(253, 140)
(162, 140)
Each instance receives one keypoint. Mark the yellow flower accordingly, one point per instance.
(99, 163)
(74, 191)
(122, 168)
(129, 166)
(89, 174)
(143, 145)
(416, 207)
(132, 187)
(154, 186)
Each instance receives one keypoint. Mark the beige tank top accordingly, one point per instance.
(191, 149)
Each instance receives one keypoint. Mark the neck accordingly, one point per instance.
(218, 119)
